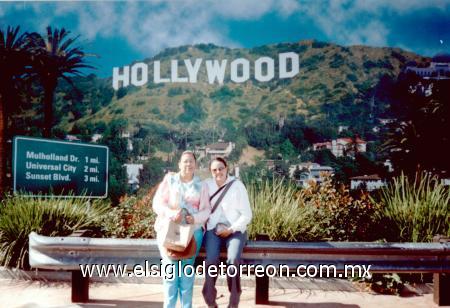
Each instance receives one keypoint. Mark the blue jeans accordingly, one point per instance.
(234, 244)
(182, 285)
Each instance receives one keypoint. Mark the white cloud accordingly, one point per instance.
(150, 26)
(287, 7)
(154, 28)
(373, 33)
(399, 6)
(352, 22)
(242, 10)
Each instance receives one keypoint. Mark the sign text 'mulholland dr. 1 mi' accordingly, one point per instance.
(50, 167)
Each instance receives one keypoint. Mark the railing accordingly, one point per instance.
(67, 253)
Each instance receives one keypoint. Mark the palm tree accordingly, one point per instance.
(15, 59)
(56, 58)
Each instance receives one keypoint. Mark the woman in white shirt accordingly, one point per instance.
(227, 227)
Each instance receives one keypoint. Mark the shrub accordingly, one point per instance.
(334, 215)
(175, 91)
(312, 62)
(317, 44)
(276, 213)
(118, 111)
(121, 93)
(352, 77)
(283, 212)
(132, 218)
(193, 110)
(155, 110)
(415, 210)
(59, 216)
(225, 94)
(337, 61)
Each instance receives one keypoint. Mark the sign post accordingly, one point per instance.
(53, 167)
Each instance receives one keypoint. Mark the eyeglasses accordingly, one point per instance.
(217, 169)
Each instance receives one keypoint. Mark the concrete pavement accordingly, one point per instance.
(310, 293)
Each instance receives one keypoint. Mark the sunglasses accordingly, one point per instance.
(217, 169)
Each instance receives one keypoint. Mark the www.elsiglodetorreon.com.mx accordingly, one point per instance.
(170, 270)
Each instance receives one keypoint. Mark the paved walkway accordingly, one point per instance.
(320, 294)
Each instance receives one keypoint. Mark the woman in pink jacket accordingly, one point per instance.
(179, 192)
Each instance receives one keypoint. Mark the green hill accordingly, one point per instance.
(329, 75)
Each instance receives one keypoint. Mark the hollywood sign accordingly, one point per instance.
(238, 70)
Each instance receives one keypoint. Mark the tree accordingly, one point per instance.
(419, 140)
(112, 138)
(287, 150)
(193, 110)
(14, 62)
(56, 58)
(152, 173)
(294, 130)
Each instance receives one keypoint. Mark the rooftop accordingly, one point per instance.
(441, 58)
(218, 146)
(372, 177)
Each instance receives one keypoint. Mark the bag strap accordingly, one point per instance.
(217, 191)
(222, 195)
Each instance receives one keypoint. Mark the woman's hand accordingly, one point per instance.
(225, 233)
(177, 218)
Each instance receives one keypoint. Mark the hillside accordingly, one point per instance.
(329, 75)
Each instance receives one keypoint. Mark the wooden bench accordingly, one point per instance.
(67, 253)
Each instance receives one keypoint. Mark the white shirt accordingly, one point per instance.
(234, 207)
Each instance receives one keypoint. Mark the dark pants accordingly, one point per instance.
(234, 244)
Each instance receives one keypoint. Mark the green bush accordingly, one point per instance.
(21, 215)
(415, 210)
(283, 212)
(175, 91)
(225, 94)
(118, 111)
(334, 215)
(317, 44)
(276, 213)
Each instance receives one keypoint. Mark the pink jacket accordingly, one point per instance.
(166, 202)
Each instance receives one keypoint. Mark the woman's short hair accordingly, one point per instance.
(219, 159)
(190, 153)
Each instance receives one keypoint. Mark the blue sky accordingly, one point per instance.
(121, 32)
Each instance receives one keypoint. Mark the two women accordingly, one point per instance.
(226, 226)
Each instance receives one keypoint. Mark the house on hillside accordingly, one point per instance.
(133, 171)
(439, 68)
(386, 121)
(342, 128)
(125, 135)
(310, 173)
(367, 182)
(270, 163)
(129, 145)
(96, 137)
(72, 138)
(222, 149)
(342, 146)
